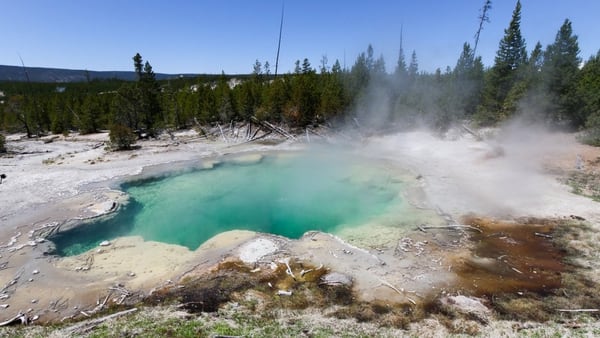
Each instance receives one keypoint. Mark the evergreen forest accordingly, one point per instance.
(550, 84)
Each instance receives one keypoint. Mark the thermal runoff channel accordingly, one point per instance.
(287, 194)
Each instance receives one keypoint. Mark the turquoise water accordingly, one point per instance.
(286, 195)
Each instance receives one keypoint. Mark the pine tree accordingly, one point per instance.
(401, 72)
(466, 84)
(413, 67)
(505, 74)
(150, 91)
(332, 97)
(588, 90)
(560, 68)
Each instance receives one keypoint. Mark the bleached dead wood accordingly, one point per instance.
(538, 234)
(257, 138)
(316, 133)
(579, 310)
(400, 292)
(280, 131)
(288, 269)
(222, 134)
(88, 325)
(20, 318)
(470, 131)
(124, 294)
(274, 128)
(450, 227)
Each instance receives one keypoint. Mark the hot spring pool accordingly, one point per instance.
(285, 194)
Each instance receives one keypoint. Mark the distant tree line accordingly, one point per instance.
(550, 84)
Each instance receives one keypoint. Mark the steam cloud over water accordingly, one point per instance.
(504, 175)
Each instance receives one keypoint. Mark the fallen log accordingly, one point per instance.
(271, 127)
(257, 138)
(20, 318)
(86, 326)
(470, 131)
(579, 310)
(449, 227)
(539, 234)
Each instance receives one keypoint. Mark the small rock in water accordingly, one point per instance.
(105, 243)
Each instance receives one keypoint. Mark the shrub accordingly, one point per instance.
(121, 137)
(592, 134)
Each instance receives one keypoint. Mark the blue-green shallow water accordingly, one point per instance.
(280, 195)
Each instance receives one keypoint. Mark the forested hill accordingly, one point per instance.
(38, 74)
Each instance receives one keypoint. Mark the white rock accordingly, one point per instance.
(254, 250)
(467, 305)
(105, 243)
(35, 272)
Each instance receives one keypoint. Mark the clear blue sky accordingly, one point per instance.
(202, 36)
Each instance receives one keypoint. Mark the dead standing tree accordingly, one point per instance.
(482, 18)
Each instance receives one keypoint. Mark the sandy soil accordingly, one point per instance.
(61, 182)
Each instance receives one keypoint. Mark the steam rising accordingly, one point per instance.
(505, 175)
